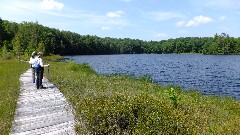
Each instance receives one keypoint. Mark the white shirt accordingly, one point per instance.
(32, 60)
(41, 63)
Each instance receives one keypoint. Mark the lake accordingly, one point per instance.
(210, 74)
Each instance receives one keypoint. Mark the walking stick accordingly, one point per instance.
(48, 77)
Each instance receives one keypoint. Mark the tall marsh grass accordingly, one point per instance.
(10, 71)
(123, 105)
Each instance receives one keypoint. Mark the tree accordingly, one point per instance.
(1, 33)
(41, 47)
(17, 46)
(28, 36)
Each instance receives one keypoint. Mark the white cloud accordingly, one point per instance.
(116, 14)
(180, 23)
(51, 5)
(183, 32)
(222, 17)
(224, 29)
(126, 0)
(112, 20)
(220, 3)
(19, 11)
(161, 35)
(33, 10)
(198, 20)
(105, 28)
(21, 6)
(162, 16)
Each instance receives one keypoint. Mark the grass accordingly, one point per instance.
(10, 71)
(124, 105)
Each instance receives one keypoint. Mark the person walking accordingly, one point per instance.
(31, 62)
(39, 66)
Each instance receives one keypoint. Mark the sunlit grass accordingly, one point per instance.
(10, 71)
(123, 105)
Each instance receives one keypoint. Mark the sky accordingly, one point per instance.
(146, 20)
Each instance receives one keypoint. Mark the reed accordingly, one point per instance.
(10, 71)
(124, 105)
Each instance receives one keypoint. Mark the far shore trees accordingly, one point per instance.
(26, 37)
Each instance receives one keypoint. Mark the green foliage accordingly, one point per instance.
(41, 47)
(17, 49)
(54, 58)
(83, 67)
(73, 66)
(5, 54)
(2, 32)
(125, 101)
(172, 94)
(126, 114)
(28, 36)
(10, 71)
(145, 78)
(123, 105)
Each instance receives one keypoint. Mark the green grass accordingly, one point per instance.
(123, 105)
(10, 71)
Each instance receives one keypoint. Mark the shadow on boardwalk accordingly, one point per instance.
(41, 111)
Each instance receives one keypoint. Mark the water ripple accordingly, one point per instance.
(210, 74)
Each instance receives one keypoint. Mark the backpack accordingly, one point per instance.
(36, 64)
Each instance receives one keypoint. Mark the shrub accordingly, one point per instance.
(145, 78)
(123, 105)
(7, 56)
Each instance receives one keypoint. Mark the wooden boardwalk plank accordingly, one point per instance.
(41, 111)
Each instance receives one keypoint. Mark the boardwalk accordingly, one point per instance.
(41, 111)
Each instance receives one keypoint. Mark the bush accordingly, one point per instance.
(54, 58)
(7, 56)
(138, 114)
(123, 105)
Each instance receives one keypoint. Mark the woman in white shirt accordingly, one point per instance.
(31, 62)
(40, 71)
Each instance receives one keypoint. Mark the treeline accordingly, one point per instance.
(24, 38)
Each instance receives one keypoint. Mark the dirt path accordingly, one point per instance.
(41, 111)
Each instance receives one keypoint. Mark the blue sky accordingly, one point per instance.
(136, 19)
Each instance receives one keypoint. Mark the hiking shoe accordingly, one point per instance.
(42, 87)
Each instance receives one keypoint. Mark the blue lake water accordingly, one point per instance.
(210, 74)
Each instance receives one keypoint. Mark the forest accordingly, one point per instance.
(21, 39)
